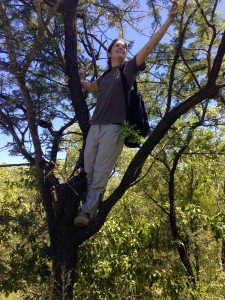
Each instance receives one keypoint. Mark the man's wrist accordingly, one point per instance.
(172, 16)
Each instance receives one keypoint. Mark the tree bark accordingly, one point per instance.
(181, 243)
(65, 244)
(61, 201)
(223, 254)
(72, 67)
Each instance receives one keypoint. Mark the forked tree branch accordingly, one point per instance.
(42, 28)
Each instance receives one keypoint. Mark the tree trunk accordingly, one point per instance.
(64, 264)
(181, 243)
(223, 254)
(65, 246)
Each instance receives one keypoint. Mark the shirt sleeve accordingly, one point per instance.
(142, 66)
(132, 70)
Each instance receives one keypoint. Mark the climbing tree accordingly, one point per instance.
(41, 42)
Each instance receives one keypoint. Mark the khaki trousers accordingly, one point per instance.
(103, 146)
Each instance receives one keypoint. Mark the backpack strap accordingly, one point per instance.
(106, 71)
(125, 89)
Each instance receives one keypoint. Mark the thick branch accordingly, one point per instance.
(217, 62)
(72, 71)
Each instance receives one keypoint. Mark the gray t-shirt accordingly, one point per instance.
(110, 106)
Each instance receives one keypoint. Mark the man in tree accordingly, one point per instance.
(104, 142)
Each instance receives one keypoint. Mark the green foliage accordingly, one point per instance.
(118, 262)
(23, 261)
(134, 256)
(130, 134)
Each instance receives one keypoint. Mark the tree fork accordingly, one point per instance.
(69, 194)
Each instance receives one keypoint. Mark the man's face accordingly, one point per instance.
(118, 50)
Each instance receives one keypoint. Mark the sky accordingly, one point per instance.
(130, 34)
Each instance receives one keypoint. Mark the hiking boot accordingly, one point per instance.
(81, 220)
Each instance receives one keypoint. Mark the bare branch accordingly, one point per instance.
(9, 127)
(14, 165)
(42, 27)
(190, 70)
(176, 57)
(153, 200)
(9, 39)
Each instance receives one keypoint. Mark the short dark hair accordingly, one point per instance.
(110, 48)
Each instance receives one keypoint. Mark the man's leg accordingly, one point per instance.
(90, 152)
(110, 147)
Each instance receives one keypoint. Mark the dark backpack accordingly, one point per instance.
(136, 114)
